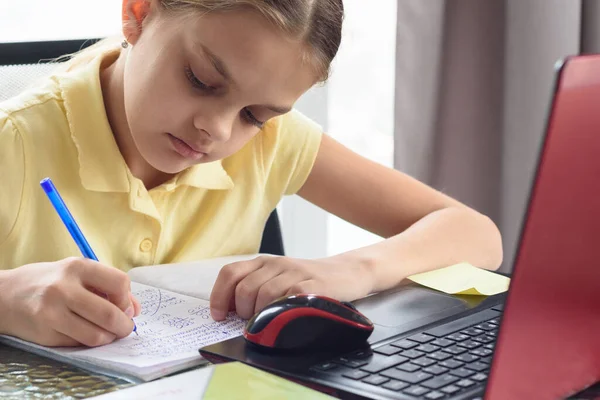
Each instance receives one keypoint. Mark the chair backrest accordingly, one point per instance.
(25, 62)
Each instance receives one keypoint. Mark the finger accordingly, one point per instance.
(137, 307)
(305, 287)
(83, 331)
(100, 312)
(246, 291)
(227, 280)
(276, 288)
(108, 280)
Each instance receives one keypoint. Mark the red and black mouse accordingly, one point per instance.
(308, 322)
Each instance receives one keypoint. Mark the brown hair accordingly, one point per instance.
(317, 23)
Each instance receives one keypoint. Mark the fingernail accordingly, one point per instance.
(130, 311)
(217, 314)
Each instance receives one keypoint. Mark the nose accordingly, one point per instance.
(217, 126)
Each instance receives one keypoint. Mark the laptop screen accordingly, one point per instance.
(549, 341)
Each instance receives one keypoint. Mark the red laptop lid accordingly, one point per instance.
(549, 341)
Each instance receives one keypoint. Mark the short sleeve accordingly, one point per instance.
(290, 144)
(12, 170)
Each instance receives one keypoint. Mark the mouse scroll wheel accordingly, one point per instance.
(349, 305)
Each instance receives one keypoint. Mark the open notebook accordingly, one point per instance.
(175, 322)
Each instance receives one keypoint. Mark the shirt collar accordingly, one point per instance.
(101, 165)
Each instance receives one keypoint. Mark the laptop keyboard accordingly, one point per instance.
(438, 363)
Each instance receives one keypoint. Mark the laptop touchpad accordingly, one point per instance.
(410, 307)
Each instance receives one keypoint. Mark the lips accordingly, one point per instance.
(186, 149)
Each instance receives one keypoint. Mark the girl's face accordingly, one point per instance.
(198, 88)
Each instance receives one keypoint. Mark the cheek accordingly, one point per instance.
(155, 101)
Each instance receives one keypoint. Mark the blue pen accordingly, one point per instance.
(69, 221)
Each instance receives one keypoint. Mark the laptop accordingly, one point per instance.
(540, 341)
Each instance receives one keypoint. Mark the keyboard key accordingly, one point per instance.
(360, 355)
(427, 348)
(462, 372)
(472, 331)
(404, 344)
(379, 363)
(326, 366)
(421, 338)
(477, 366)
(462, 323)
(485, 338)
(469, 344)
(356, 374)
(350, 363)
(408, 367)
(467, 358)
(416, 391)
(410, 377)
(487, 360)
(486, 326)
(458, 337)
(388, 350)
(439, 355)
(423, 361)
(435, 395)
(412, 353)
(395, 385)
(440, 381)
(465, 383)
(481, 352)
(452, 364)
(493, 333)
(455, 350)
(451, 389)
(490, 346)
(480, 377)
(443, 342)
(435, 370)
(495, 321)
(375, 380)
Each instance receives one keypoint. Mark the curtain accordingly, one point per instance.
(473, 88)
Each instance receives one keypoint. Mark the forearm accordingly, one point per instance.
(440, 239)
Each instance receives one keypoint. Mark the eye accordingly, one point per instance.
(197, 83)
(252, 119)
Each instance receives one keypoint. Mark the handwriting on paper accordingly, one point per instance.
(170, 326)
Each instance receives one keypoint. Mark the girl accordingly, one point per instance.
(176, 145)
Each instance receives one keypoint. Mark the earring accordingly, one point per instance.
(124, 43)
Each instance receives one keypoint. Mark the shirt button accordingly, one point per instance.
(146, 245)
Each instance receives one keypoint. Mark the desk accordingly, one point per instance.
(28, 376)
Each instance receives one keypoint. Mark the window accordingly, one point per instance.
(38, 20)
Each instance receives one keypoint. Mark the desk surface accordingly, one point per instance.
(28, 376)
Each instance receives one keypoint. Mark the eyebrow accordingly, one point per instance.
(224, 72)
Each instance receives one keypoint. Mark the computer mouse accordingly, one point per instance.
(308, 322)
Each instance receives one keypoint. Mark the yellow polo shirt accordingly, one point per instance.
(60, 130)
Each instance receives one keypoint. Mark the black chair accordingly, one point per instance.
(23, 62)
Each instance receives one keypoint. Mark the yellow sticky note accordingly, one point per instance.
(463, 278)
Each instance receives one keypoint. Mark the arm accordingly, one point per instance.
(424, 229)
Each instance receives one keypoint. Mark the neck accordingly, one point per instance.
(111, 78)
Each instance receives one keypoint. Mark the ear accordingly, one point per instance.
(134, 14)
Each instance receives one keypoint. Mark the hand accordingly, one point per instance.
(248, 286)
(54, 304)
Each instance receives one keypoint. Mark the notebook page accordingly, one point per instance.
(171, 328)
(195, 279)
